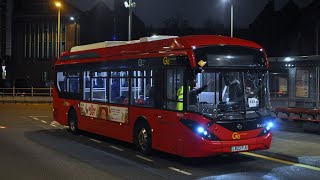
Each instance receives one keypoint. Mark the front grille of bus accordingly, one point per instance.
(245, 125)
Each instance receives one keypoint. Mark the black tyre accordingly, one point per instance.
(73, 122)
(143, 138)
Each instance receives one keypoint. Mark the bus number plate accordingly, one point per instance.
(239, 148)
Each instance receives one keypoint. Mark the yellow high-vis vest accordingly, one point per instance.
(179, 106)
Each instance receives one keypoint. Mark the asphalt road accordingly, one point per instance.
(32, 146)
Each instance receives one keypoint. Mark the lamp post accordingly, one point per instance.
(129, 5)
(231, 17)
(58, 5)
(317, 37)
(74, 30)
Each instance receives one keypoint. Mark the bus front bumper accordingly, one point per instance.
(204, 148)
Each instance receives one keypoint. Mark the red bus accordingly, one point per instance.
(192, 96)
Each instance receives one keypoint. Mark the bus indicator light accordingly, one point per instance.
(202, 63)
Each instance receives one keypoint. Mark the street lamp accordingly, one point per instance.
(231, 17)
(129, 5)
(75, 30)
(58, 5)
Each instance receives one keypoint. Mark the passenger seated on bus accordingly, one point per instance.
(125, 101)
(119, 99)
(115, 89)
(140, 101)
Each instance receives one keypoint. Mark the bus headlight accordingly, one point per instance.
(268, 125)
(199, 129)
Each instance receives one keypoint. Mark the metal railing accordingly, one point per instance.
(26, 91)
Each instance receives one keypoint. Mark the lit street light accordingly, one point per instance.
(129, 5)
(58, 5)
(231, 17)
(75, 29)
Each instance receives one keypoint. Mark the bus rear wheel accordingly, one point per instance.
(73, 122)
(143, 138)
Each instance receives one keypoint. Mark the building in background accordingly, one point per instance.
(34, 38)
(34, 33)
(290, 31)
(5, 40)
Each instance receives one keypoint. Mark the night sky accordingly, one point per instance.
(153, 12)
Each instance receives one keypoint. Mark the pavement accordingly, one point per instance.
(290, 142)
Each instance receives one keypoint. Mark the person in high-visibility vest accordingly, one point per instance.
(192, 95)
(180, 98)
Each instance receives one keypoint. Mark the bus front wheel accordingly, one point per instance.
(73, 122)
(143, 138)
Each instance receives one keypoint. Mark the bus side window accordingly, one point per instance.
(140, 87)
(119, 87)
(61, 81)
(86, 86)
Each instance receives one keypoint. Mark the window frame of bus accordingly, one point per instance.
(66, 94)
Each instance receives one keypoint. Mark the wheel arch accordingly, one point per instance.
(139, 121)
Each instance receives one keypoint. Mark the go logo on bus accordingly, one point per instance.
(166, 61)
(236, 135)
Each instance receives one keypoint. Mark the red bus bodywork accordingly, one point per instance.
(168, 133)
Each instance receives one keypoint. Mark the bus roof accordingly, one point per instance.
(150, 46)
(117, 43)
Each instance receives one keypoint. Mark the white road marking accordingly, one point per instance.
(94, 140)
(54, 122)
(180, 171)
(44, 121)
(114, 147)
(2, 127)
(35, 118)
(53, 125)
(144, 158)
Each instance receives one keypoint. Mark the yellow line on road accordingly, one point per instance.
(281, 161)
